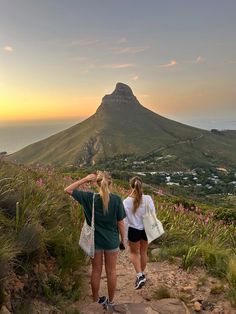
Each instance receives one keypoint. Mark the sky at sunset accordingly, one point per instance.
(58, 58)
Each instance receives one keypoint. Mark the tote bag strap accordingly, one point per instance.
(92, 221)
(147, 208)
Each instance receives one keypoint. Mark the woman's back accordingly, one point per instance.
(106, 229)
(109, 223)
(135, 219)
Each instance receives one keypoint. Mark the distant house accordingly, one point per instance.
(172, 183)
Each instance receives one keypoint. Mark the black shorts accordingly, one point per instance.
(135, 235)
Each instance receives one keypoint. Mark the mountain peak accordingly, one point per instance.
(123, 90)
(121, 97)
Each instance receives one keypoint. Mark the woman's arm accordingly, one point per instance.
(89, 178)
(121, 228)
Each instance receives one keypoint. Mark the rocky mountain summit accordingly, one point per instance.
(122, 94)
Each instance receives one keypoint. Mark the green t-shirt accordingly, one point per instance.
(106, 227)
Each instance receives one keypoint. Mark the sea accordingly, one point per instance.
(15, 136)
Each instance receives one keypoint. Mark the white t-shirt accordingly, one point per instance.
(135, 220)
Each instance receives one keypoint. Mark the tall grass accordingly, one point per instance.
(231, 276)
(200, 241)
(38, 223)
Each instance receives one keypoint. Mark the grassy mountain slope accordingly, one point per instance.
(122, 125)
(40, 226)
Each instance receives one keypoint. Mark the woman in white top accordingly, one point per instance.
(135, 207)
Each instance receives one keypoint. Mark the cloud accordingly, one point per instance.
(135, 78)
(172, 63)
(122, 40)
(199, 59)
(84, 42)
(117, 66)
(120, 50)
(8, 48)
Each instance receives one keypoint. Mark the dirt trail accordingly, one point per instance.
(190, 287)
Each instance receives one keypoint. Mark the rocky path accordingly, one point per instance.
(189, 292)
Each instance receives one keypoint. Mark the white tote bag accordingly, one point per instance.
(86, 240)
(153, 227)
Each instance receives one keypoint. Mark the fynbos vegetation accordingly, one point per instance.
(40, 227)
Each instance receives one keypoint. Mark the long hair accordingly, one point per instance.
(136, 184)
(104, 182)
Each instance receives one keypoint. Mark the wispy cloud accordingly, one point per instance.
(122, 40)
(117, 66)
(134, 77)
(120, 50)
(199, 59)
(172, 63)
(8, 48)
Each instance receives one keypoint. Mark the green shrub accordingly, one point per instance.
(217, 289)
(168, 252)
(202, 281)
(209, 255)
(31, 238)
(231, 276)
(161, 293)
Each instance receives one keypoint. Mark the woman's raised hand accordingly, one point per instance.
(91, 177)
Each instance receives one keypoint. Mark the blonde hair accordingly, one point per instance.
(136, 184)
(104, 182)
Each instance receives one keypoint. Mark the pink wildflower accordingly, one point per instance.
(200, 217)
(40, 182)
(67, 178)
(198, 210)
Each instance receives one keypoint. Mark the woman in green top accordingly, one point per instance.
(109, 217)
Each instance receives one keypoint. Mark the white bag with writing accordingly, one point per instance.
(153, 227)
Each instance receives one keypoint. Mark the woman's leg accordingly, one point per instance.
(135, 255)
(110, 267)
(96, 273)
(143, 254)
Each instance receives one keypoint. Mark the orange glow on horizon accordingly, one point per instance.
(24, 105)
(32, 106)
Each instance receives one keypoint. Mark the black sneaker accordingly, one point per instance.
(102, 300)
(108, 305)
(140, 281)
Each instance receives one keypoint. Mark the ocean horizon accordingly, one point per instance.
(15, 136)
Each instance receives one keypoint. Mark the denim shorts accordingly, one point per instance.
(107, 251)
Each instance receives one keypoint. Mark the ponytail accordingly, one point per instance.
(136, 184)
(104, 181)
